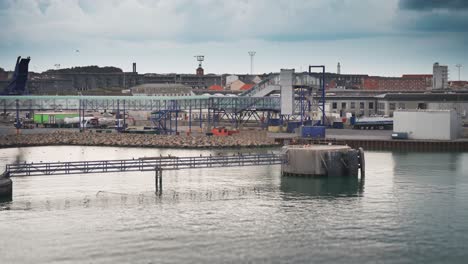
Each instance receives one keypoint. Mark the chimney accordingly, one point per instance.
(134, 67)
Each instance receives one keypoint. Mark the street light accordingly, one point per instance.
(251, 54)
(459, 67)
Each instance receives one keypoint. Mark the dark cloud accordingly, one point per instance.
(4, 4)
(434, 15)
(440, 23)
(424, 5)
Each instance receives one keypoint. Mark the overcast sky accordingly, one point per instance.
(377, 37)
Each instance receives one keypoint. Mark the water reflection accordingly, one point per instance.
(19, 157)
(439, 169)
(430, 161)
(322, 186)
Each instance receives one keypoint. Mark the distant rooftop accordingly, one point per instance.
(161, 89)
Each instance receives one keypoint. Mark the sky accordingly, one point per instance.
(375, 37)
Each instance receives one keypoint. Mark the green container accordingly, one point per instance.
(51, 118)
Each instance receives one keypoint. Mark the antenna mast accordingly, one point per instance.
(200, 59)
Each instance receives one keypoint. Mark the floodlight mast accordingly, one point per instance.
(251, 54)
(459, 67)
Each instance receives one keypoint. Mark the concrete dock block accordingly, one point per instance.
(320, 160)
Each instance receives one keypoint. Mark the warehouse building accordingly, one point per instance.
(389, 103)
(360, 103)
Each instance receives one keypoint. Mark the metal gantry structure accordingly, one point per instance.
(18, 82)
(235, 110)
(136, 103)
(321, 101)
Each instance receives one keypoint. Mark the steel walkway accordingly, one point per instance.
(140, 164)
(137, 103)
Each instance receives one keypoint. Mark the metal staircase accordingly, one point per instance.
(264, 87)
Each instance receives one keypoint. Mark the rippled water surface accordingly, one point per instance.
(411, 208)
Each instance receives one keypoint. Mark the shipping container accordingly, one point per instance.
(312, 131)
(274, 122)
(292, 126)
(53, 119)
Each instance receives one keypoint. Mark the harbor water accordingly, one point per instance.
(411, 208)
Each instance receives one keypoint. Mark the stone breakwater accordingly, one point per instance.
(244, 139)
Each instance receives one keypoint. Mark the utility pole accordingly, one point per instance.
(459, 67)
(251, 54)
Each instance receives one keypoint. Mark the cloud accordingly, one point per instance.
(42, 21)
(163, 35)
(433, 15)
(423, 5)
(439, 22)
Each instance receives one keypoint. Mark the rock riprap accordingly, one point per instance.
(243, 139)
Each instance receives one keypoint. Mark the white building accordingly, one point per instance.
(440, 76)
(427, 124)
(236, 85)
(230, 79)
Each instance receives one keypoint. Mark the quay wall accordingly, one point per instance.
(391, 145)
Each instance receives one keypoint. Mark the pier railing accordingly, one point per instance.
(140, 164)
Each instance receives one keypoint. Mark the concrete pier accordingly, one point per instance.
(321, 160)
(6, 188)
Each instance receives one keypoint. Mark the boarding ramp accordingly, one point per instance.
(135, 103)
(264, 88)
(272, 84)
(17, 85)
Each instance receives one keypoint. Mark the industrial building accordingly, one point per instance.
(359, 104)
(362, 103)
(387, 104)
(440, 77)
(3, 75)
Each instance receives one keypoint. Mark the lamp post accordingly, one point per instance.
(459, 67)
(251, 54)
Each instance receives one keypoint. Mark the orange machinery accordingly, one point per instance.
(222, 131)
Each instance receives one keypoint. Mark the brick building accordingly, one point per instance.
(458, 84)
(409, 83)
(427, 78)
